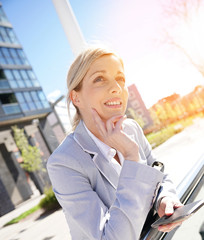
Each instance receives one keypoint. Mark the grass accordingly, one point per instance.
(48, 203)
(23, 215)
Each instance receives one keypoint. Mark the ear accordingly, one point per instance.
(74, 96)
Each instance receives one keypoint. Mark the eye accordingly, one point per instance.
(98, 79)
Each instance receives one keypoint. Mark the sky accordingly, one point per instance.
(132, 28)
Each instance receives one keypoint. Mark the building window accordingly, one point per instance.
(18, 78)
(6, 54)
(29, 100)
(33, 78)
(3, 35)
(10, 78)
(7, 35)
(25, 78)
(22, 56)
(8, 98)
(3, 82)
(43, 99)
(9, 103)
(21, 78)
(22, 102)
(2, 59)
(3, 17)
(13, 56)
(37, 100)
(32, 100)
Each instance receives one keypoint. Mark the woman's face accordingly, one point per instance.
(103, 89)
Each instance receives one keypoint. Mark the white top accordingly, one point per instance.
(108, 152)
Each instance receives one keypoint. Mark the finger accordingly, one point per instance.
(163, 229)
(169, 209)
(169, 227)
(99, 123)
(110, 123)
(178, 205)
(177, 224)
(166, 228)
(109, 126)
(115, 118)
(119, 122)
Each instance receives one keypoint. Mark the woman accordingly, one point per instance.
(102, 173)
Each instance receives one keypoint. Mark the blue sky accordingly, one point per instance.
(130, 27)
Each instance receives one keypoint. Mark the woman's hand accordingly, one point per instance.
(112, 134)
(167, 207)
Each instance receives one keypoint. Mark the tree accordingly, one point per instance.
(30, 154)
(184, 29)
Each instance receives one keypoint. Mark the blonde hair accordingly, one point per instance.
(77, 72)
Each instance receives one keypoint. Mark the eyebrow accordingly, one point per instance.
(100, 71)
(104, 71)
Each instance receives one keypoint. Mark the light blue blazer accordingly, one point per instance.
(99, 204)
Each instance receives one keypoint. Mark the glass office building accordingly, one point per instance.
(20, 92)
(22, 103)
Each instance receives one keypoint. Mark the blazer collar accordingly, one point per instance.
(88, 145)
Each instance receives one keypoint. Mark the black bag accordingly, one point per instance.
(152, 215)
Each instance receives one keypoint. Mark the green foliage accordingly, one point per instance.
(20, 138)
(23, 215)
(49, 202)
(157, 138)
(30, 154)
(31, 159)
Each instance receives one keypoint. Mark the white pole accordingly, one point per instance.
(70, 25)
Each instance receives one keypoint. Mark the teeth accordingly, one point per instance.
(113, 103)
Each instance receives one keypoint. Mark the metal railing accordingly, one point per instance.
(187, 191)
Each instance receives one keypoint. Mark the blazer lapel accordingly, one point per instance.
(88, 145)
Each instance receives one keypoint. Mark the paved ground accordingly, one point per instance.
(51, 227)
(182, 151)
(179, 154)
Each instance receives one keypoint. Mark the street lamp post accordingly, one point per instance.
(70, 25)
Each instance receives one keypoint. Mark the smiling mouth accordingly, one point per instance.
(113, 103)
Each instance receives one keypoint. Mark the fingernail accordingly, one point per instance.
(169, 213)
(159, 228)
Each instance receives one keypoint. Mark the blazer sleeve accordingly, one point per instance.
(83, 207)
(167, 188)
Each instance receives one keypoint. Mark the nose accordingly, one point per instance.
(115, 87)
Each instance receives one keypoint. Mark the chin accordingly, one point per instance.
(110, 115)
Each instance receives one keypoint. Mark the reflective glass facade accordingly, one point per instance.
(20, 78)
(20, 91)
(3, 17)
(7, 35)
(32, 100)
(13, 56)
